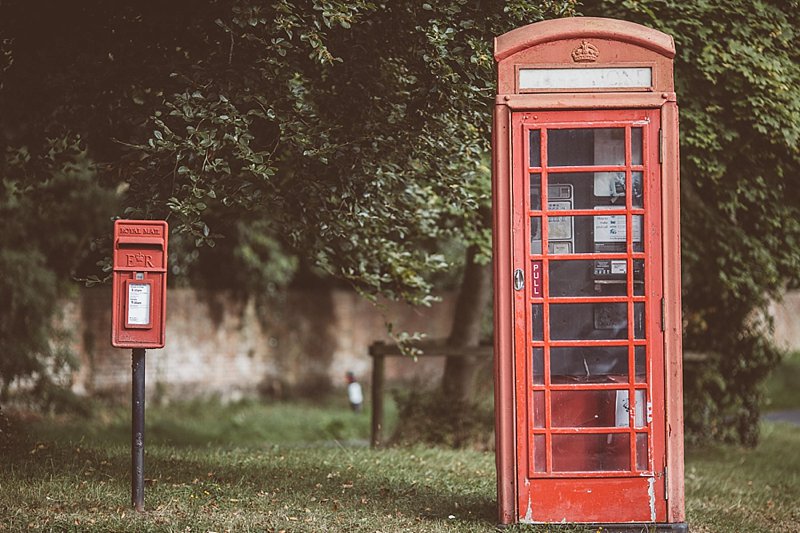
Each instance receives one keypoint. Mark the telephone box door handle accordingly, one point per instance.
(519, 279)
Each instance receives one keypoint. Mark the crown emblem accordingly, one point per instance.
(585, 53)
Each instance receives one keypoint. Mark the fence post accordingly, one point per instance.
(377, 399)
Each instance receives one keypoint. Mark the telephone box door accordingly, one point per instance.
(589, 359)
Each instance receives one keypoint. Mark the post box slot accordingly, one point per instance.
(140, 241)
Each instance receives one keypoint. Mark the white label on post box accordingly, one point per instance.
(138, 304)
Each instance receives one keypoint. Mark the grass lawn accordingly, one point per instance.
(781, 390)
(301, 467)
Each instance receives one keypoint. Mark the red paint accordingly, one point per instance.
(139, 294)
(567, 449)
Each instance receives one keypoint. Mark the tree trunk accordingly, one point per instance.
(458, 381)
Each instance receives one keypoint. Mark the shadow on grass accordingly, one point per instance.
(352, 483)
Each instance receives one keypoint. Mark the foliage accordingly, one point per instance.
(356, 130)
(49, 207)
(351, 136)
(350, 133)
(737, 75)
(780, 389)
(435, 418)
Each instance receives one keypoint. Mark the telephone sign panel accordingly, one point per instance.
(139, 284)
(587, 295)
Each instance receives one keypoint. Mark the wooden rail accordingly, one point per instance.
(379, 351)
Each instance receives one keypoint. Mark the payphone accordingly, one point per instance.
(587, 276)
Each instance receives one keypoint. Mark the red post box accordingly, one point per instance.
(588, 371)
(139, 284)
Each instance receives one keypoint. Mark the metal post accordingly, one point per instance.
(137, 431)
(377, 399)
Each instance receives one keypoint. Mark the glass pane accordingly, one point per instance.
(584, 147)
(539, 454)
(638, 277)
(608, 188)
(585, 277)
(591, 453)
(592, 408)
(537, 362)
(536, 192)
(636, 146)
(589, 321)
(536, 148)
(638, 190)
(638, 320)
(638, 245)
(537, 323)
(536, 235)
(560, 230)
(559, 195)
(642, 459)
(586, 190)
(538, 409)
(589, 364)
(641, 401)
(586, 234)
(640, 363)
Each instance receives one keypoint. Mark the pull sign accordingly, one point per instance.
(519, 280)
(536, 279)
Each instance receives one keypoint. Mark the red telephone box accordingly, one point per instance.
(139, 284)
(587, 276)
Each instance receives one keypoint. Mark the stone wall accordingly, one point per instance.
(218, 345)
(786, 316)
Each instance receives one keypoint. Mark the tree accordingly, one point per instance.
(737, 76)
(50, 207)
(360, 136)
(353, 133)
